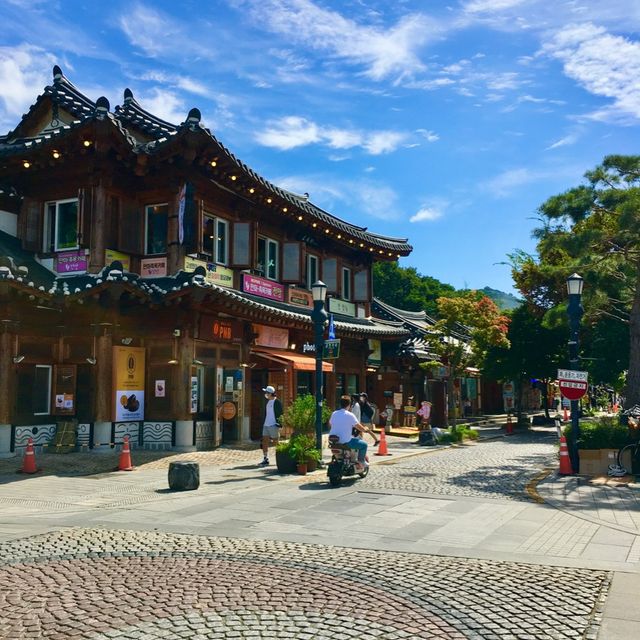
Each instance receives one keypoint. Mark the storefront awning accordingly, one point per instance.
(297, 361)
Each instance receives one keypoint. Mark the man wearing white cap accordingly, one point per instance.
(271, 427)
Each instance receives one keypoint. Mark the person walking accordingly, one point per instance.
(355, 409)
(271, 426)
(366, 410)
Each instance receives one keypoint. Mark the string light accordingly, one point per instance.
(285, 209)
(327, 230)
(252, 190)
(86, 143)
(351, 241)
(234, 177)
(339, 237)
(55, 154)
(361, 245)
(26, 164)
(268, 200)
(299, 217)
(315, 224)
(213, 163)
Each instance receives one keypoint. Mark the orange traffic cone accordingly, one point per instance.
(29, 459)
(509, 429)
(382, 448)
(125, 456)
(565, 461)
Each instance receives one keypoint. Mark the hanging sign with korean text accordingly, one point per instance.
(262, 287)
(573, 384)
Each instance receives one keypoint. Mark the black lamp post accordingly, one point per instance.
(319, 317)
(574, 288)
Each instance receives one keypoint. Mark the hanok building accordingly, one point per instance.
(151, 284)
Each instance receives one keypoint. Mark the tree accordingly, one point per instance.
(469, 325)
(405, 288)
(593, 229)
(534, 352)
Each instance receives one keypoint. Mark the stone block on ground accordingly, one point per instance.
(184, 476)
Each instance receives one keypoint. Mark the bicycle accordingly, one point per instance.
(618, 470)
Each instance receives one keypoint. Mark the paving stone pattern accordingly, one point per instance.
(496, 469)
(99, 584)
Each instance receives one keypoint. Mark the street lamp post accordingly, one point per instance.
(319, 317)
(574, 288)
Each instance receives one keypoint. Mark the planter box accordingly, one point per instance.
(595, 462)
(285, 463)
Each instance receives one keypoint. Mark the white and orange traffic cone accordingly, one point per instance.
(29, 459)
(509, 428)
(382, 448)
(125, 456)
(565, 461)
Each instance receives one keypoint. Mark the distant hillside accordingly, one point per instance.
(504, 300)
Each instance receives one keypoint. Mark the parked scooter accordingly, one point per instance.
(343, 462)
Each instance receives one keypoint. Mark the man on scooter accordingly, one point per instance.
(342, 422)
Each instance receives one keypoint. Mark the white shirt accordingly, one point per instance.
(270, 416)
(342, 423)
(355, 409)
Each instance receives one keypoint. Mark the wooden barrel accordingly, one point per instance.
(184, 476)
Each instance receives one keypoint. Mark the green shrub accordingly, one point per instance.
(603, 433)
(300, 415)
(460, 433)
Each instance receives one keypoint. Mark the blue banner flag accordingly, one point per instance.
(332, 331)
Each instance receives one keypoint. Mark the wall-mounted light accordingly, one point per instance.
(26, 164)
(174, 357)
(86, 143)
(18, 359)
(55, 153)
(197, 362)
(292, 346)
(248, 365)
(91, 360)
(126, 341)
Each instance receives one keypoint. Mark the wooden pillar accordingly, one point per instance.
(181, 380)
(7, 377)
(98, 229)
(175, 251)
(103, 408)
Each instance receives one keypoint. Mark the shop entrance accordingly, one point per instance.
(259, 380)
(230, 400)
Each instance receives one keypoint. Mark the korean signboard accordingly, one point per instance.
(110, 255)
(153, 267)
(262, 287)
(128, 382)
(299, 297)
(342, 307)
(214, 273)
(271, 336)
(331, 349)
(71, 262)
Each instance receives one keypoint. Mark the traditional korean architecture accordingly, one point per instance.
(401, 381)
(151, 284)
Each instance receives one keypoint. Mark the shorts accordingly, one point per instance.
(272, 432)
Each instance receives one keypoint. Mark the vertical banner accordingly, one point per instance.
(182, 203)
(332, 329)
(128, 383)
(194, 394)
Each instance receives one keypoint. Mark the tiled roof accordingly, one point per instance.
(132, 114)
(64, 94)
(417, 319)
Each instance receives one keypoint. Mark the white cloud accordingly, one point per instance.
(289, 132)
(149, 29)
(383, 142)
(572, 138)
(383, 52)
(492, 6)
(427, 214)
(603, 64)
(344, 198)
(429, 136)
(24, 72)
(294, 131)
(504, 183)
(165, 105)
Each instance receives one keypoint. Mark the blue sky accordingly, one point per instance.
(445, 122)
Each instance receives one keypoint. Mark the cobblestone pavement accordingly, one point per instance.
(99, 584)
(495, 469)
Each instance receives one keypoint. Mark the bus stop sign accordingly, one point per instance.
(573, 384)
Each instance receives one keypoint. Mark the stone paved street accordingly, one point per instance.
(434, 543)
(117, 584)
(495, 469)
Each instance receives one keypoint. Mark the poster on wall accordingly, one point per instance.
(194, 394)
(128, 382)
(160, 387)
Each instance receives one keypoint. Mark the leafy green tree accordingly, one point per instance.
(593, 229)
(405, 288)
(534, 352)
(468, 326)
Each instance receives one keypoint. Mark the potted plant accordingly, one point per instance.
(285, 461)
(302, 448)
(313, 458)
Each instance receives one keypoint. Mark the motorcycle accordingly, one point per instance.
(343, 462)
